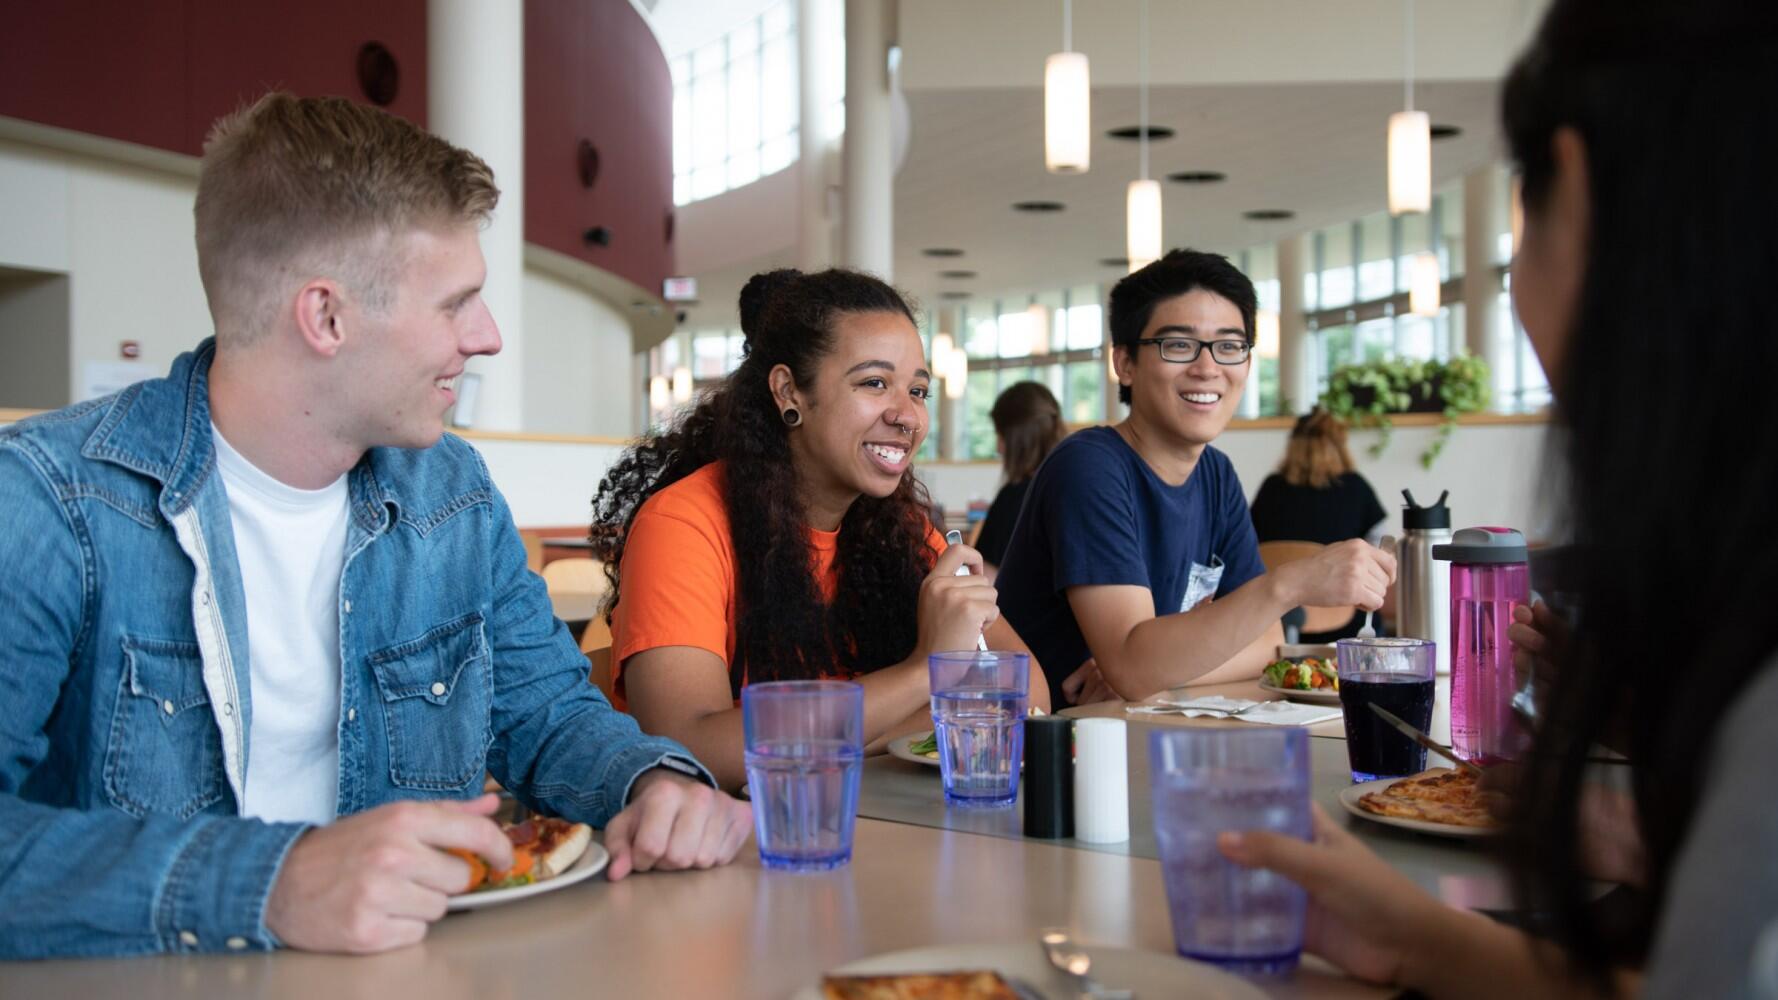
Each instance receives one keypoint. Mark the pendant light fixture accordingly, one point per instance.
(1142, 204)
(1423, 284)
(660, 395)
(1410, 144)
(1037, 321)
(956, 373)
(682, 390)
(1266, 339)
(1067, 106)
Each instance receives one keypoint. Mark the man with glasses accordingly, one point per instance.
(1134, 566)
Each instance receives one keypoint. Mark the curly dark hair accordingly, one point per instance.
(785, 631)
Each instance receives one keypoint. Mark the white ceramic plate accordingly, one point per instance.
(898, 747)
(1318, 696)
(1148, 973)
(589, 864)
(1349, 798)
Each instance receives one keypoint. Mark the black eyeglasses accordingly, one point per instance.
(1185, 350)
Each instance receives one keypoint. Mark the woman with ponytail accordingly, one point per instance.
(776, 531)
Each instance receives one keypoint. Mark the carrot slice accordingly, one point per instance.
(521, 865)
(478, 869)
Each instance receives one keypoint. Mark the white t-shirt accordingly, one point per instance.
(291, 544)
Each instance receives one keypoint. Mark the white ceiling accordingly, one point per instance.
(1289, 98)
(1317, 150)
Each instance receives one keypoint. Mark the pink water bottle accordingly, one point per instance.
(1489, 577)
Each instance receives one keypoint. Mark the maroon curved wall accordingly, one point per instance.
(159, 72)
(594, 71)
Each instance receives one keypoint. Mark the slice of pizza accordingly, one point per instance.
(1437, 795)
(542, 848)
(972, 985)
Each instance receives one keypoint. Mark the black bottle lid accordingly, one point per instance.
(1417, 518)
(1049, 777)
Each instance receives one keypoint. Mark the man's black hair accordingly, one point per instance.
(1180, 271)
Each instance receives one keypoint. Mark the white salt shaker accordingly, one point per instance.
(1101, 781)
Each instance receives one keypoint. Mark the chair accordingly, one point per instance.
(1276, 554)
(575, 576)
(596, 644)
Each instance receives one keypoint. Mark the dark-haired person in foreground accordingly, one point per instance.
(1134, 567)
(777, 532)
(264, 627)
(1645, 134)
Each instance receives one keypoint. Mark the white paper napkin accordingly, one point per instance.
(1270, 713)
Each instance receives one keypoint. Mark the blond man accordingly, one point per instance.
(265, 626)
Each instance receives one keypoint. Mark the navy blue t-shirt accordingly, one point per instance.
(1097, 514)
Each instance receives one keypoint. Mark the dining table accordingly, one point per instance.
(921, 874)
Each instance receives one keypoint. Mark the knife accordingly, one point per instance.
(1424, 740)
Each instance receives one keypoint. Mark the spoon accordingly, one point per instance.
(1367, 632)
(1072, 959)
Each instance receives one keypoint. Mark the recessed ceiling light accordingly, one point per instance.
(1133, 132)
(1037, 206)
(1198, 177)
(942, 252)
(1269, 214)
(956, 274)
(1114, 262)
(1445, 131)
(955, 296)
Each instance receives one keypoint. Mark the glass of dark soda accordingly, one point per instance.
(1396, 674)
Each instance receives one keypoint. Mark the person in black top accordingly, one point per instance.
(1317, 495)
(1028, 422)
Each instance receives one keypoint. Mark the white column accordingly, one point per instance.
(869, 216)
(475, 83)
(1296, 349)
(950, 411)
(1484, 218)
(814, 243)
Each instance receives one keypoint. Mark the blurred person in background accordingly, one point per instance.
(1027, 424)
(1317, 495)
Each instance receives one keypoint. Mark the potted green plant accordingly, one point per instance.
(1365, 395)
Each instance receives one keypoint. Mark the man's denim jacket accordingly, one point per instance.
(124, 699)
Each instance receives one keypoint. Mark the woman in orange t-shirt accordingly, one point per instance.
(776, 532)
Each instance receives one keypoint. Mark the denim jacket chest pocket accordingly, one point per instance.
(164, 754)
(437, 700)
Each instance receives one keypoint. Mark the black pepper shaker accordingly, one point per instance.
(1049, 777)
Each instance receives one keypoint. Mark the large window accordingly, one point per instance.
(1359, 276)
(735, 106)
(1055, 338)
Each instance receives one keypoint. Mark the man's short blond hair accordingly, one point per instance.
(298, 188)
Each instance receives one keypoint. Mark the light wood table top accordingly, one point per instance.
(1440, 729)
(1461, 872)
(737, 931)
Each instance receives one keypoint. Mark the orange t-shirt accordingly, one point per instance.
(677, 584)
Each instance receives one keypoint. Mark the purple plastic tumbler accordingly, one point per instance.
(1489, 577)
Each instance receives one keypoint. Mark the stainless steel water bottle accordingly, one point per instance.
(1422, 583)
